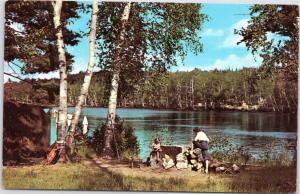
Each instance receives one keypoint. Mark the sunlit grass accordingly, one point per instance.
(83, 177)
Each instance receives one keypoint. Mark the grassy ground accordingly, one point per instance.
(85, 176)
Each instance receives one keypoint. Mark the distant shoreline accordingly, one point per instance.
(188, 109)
(225, 108)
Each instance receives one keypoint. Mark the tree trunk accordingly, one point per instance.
(245, 92)
(87, 77)
(62, 113)
(179, 102)
(95, 99)
(112, 104)
(192, 94)
(281, 101)
(275, 107)
(287, 100)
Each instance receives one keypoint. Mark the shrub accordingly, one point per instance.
(125, 142)
(83, 148)
(85, 151)
(280, 158)
(225, 150)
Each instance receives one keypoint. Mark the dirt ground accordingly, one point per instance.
(144, 171)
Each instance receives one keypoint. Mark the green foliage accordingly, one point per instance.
(225, 150)
(156, 33)
(125, 142)
(281, 158)
(30, 37)
(215, 89)
(83, 148)
(273, 33)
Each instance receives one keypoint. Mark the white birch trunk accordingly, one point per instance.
(112, 104)
(62, 113)
(89, 71)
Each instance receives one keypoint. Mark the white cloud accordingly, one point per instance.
(213, 32)
(81, 64)
(235, 62)
(232, 39)
(182, 68)
(52, 74)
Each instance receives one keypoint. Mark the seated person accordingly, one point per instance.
(155, 148)
(168, 162)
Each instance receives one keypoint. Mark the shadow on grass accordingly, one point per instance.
(131, 183)
(269, 179)
(95, 176)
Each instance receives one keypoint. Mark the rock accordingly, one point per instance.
(197, 151)
(245, 106)
(180, 157)
(197, 166)
(153, 162)
(181, 165)
(181, 161)
(171, 151)
(220, 169)
(214, 163)
(235, 168)
(193, 161)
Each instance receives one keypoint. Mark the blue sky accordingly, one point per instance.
(219, 41)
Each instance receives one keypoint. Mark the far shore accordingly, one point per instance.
(225, 108)
(237, 109)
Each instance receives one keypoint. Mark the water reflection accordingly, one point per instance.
(175, 127)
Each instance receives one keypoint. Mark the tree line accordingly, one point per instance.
(173, 90)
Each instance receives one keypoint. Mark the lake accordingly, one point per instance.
(252, 130)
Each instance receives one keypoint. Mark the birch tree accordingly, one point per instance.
(112, 103)
(62, 113)
(138, 37)
(88, 74)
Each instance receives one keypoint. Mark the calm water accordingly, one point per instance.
(251, 130)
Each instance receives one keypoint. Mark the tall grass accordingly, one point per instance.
(82, 177)
(226, 150)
